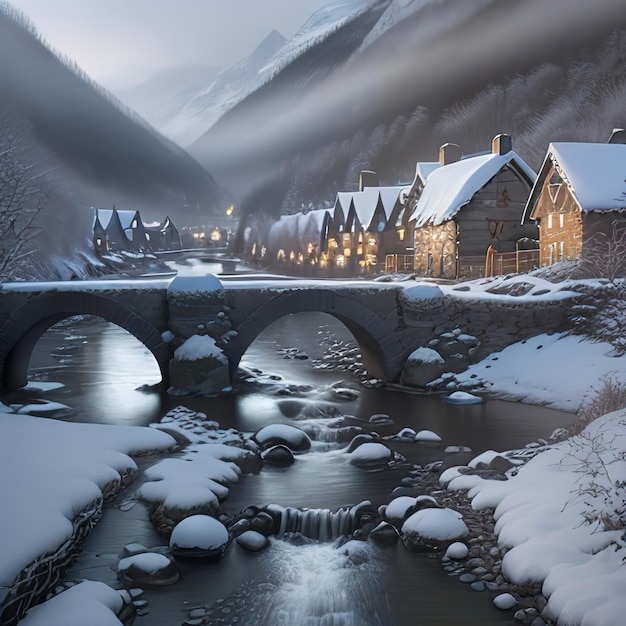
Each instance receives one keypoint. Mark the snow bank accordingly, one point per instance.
(52, 470)
(552, 517)
(557, 370)
(95, 599)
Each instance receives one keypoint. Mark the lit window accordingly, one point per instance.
(550, 220)
(561, 218)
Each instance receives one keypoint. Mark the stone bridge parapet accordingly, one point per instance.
(388, 320)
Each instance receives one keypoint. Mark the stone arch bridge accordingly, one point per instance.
(388, 320)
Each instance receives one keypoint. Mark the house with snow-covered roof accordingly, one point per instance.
(116, 238)
(579, 193)
(363, 229)
(163, 235)
(469, 207)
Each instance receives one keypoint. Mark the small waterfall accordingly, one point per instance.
(322, 585)
(320, 524)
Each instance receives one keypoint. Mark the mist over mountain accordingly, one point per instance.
(115, 157)
(210, 100)
(160, 98)
(400, 77)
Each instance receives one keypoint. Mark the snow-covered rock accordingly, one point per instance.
(433, 525)
(422, 366)
(370, 453)
(274, 434)
(199, 536)
(148, 568)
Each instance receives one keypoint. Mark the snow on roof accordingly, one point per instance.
(451, 186)
(127, 217)
(595, 173)
(365, 205)
(104, 215)
(424, 169)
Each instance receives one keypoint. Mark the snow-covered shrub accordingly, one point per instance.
(609, 397)
(596, 454)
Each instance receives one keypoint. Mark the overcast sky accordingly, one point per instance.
(121, 42)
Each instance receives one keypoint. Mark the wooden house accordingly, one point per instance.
(135, 231)
(116, 238)
(468, 207)
(99, 235)
(363, 230)
(163, 236)
(580, 191)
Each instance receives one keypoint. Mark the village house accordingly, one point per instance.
(402, 259)
(124, 231)
(470, 207)
(579, 194)
(163, 236)
(363, 229)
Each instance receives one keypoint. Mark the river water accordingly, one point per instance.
(102, 367)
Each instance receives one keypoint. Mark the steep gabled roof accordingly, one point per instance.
(452, 186)
(594, 172)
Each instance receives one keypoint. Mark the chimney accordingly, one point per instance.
(368, 178)
(449, 153)
(618, 136)
(501, 144)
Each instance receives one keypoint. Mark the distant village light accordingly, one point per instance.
(229, 210)
(216, 235)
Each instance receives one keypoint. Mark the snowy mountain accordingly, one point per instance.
(224, 91)
(385, 83)
(159, 99)
(244, 77)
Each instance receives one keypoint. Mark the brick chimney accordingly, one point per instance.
(367, 178)
(501, 144)
(450, 153)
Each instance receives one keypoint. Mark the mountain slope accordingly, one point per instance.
(120, 159)
(159, 99)
(413, 75)
(230, 86)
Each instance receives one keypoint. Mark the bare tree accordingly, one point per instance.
(22, 196)
(605, 254)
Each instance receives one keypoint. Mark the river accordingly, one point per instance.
(101, 367)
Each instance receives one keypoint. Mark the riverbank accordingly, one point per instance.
(558, 388)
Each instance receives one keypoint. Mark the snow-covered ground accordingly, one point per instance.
(556, 515)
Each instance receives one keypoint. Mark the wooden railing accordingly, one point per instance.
(498, 263)
(399, 263)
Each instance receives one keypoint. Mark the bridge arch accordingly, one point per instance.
(28, 323)
(379, 346)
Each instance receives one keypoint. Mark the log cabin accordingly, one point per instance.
(579, 193)
(470, 206)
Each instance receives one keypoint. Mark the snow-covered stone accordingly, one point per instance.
(290, 436)
(199, 536)
(462, 397)
(427, 435)
(421, 367)
(433, 525)
(370, 453)
(148, 568)
(457, 551)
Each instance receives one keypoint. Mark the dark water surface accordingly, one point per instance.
(102, 366)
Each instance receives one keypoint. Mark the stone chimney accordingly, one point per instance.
(501, 144)
(618, 136)
(450, 153)
(367, 178)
